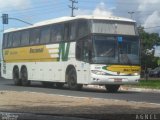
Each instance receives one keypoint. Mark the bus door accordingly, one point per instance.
(82, 55)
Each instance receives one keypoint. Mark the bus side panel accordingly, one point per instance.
(7, 70)
(82, 69)
(83, 72)
(46, 71)
(50, 70)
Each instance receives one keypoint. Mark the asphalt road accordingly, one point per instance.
(85, 92)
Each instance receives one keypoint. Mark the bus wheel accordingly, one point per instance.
(59, 85)
(112, 88)
(72, 80)
(47, 84)
(16, 79)
(24, 77)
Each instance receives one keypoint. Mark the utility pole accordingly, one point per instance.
(131, 14)
(73, 7)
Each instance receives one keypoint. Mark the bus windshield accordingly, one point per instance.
(108, 50)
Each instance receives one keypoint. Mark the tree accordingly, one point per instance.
(148, 41)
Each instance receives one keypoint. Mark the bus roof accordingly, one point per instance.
(63, 19)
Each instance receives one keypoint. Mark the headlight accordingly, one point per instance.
(135, 74)
(97, 72)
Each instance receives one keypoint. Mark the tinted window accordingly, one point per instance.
(10, 38)
(5, 39)
(45, 35)
(16, 39)
(82, 50)
(79, 50)
(25, 38)
(83, 28)
(113, 27)
(34, 36)
(72, 30)
(66, 32)
(56, 33)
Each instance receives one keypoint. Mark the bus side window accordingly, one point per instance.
(82, 50)
(16, 39)
(85, 51)
(79, 50)
(34, 36)
(45, 35)
(25, 38)
(73, 29)
(10, 40)
(83, 28)
(66, 31)
(5, 39)
(56, 33)
(70, 31)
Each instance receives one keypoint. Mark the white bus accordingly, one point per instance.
(82, 50)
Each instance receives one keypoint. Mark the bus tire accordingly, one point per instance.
(72, 80)
(112, 88)
(59, 85)
(24, 77)
(47, 84)
(16, 79)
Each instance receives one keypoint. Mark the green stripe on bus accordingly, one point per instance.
(64, 51)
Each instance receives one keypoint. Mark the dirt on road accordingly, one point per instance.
(31, 102)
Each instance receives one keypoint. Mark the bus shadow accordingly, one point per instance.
(104, 91)
(84, 89)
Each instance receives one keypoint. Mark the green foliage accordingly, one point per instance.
(148, 41)
(149, 84)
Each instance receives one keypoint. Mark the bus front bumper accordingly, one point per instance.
(117, 80)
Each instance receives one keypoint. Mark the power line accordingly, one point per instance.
(46, 12)
(34, 7)
(73, 7)
(39, 14)
(110, 2)
(152, 27)
(30, 9)
(38, 11)
(34, 11)
(47, 7)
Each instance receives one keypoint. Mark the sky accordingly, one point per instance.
(146, 12)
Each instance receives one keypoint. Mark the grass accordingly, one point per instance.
(153, 84)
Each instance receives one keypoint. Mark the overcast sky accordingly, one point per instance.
(146, 12)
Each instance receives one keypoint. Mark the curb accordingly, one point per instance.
(139, 89)
(124, 88)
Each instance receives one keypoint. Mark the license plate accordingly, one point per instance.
(117, 80)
